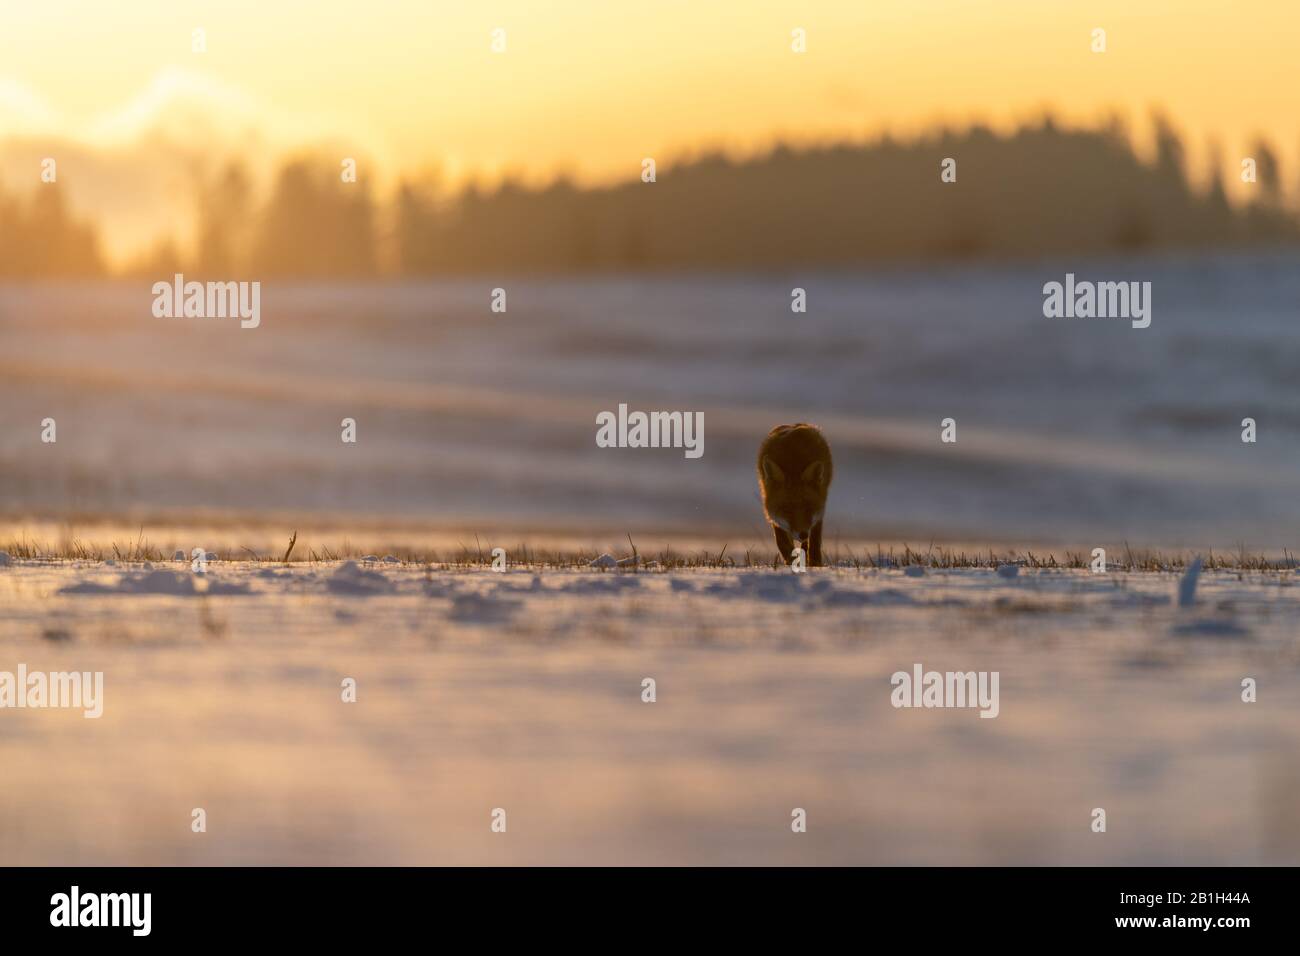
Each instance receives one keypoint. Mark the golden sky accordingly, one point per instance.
(592, 86)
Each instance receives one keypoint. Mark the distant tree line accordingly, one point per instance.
(1041, 190)
(40, 239)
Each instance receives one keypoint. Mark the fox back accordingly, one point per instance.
(794, 475)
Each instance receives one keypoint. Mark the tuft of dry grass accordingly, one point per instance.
(73, 548)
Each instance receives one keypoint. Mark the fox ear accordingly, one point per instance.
(772, 471)
(814, 473)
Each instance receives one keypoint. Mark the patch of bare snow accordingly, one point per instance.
(350, 579)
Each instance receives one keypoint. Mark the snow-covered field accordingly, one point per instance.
(523, 690)
(1079, 435)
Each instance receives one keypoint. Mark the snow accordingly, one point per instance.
(349, 578)
(457, 416)
(479, 689)
(157, 582)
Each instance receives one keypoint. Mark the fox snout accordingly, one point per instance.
(799, 531)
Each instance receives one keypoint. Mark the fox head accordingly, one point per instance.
(794, 503)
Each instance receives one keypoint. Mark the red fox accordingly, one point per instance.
(794, 474)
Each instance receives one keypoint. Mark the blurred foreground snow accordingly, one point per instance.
(522, 690)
